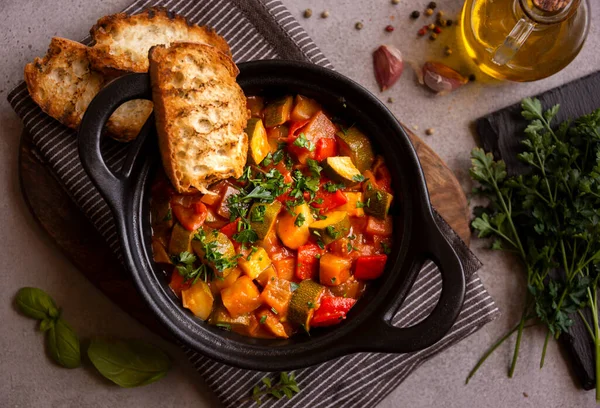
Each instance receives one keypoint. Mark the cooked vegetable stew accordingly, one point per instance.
(292, 243)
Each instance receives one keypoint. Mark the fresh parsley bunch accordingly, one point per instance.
(550, 218)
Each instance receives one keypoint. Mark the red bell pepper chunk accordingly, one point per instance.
(329, 200)
(325, 148)
(369, 267)
(230, 229)
(293, 133)
(307, 266)
(192, 217)
(332, 311)
(177, 283)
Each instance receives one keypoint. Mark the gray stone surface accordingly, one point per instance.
(28, 379)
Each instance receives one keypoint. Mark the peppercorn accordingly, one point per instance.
(358, 25)
(428, 12)
(472, 77)
(325, 14)
(448, 51)
(433, 36)
(441, 22)
(440, 14)
(390, 100)
(448, 23)
(389, 28)
(432, 5)
(307, 13)
(431, 26)
(437, 30)
(415, 14)
(422, 31)
(395, 1)
(429, 131)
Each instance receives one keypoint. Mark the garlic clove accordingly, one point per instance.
(441, 78)
(388, 65)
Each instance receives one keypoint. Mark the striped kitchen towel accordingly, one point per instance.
(265, 29)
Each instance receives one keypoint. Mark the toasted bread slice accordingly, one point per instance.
(200, 114)
(122, 41)
(63, 84)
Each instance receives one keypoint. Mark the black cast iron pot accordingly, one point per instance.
(367, 328)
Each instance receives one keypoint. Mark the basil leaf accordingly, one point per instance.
(129, 363)
(36, 303)
(63, 344)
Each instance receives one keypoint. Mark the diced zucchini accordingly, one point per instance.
(290, 231)
(255, 105)
(180, 240)
(263, 216)
(305, 299)
(278, 112)
(242, 297)
(354, 144)
(304, 108)
(255, 263)
(341, 170)
(332, 228)
(377, 203)
(221, 317)
(258, 142)
(159, 252)
(199, 299)
(218, 243)
(334, 270)
(354, 206)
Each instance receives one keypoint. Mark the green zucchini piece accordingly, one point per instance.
(221, 317)
(258, 142)
(341, 170)
(218, 243)
(263, 216)
(332, 228)
(377, 202)
(304, 301)
(354, 144)
(180, 240)
(278, 112)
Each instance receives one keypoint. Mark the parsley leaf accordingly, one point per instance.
(302, 141)
(314, 167)
(300, 220)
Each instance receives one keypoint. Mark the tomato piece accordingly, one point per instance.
(293, 133)
(178, 284)
(327, 201)
(370, 267)
(307, 266)
(325, 148)
(331, 311)
(189, 211)
(230, 229)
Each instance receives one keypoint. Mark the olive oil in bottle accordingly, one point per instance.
(524, 40)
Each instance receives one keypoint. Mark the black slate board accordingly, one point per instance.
(500, 133)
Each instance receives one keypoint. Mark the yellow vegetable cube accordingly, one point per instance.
(199, 299)
(255, 263)
(351, 206)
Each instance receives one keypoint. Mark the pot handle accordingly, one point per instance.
(379, 335)
(113, 187)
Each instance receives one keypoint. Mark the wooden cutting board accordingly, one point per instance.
(76, 237)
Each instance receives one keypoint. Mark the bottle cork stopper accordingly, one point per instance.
(551, 5)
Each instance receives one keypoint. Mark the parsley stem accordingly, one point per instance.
(544, 349)
(520, 327)
(492, 349)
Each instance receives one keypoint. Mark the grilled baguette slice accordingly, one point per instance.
(63, 84)
(200, 114)
(122, 41)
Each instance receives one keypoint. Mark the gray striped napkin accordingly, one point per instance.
(264, 29)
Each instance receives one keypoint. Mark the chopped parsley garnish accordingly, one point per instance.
(224, 326)
(360, 204)
(314, 167)
(302, 141)
(258, 213)
(263, 319)
(332, 232)
(321, 244)
(293, 286)
(184, 263)
(333, 280)
(358, 178)
(274, 310)
(385, 248)
(169, 215)
(332, 187)
(246, 236)
(300, 220)
(310, 305)
(378, 195)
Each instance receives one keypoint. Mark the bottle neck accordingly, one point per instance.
(549, 11)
